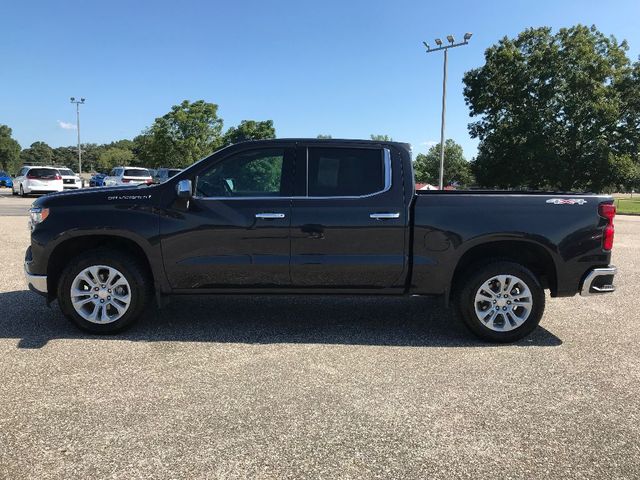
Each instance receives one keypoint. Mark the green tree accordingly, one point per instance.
(381, 138)
(67, 156)
(551, 110)
(114, 157)
(186, 134)
(9, 151)
(39, 153)
(250, 130)
(456, 168)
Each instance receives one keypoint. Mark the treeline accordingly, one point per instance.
(187, 133)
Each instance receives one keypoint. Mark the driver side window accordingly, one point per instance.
(258, 173)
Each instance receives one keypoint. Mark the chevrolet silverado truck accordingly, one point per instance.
(307, 217)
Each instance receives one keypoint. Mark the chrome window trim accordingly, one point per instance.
(388, 175)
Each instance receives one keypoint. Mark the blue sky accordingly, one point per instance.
(345, 68)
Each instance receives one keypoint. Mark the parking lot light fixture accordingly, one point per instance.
(440, 46)
(78, 103)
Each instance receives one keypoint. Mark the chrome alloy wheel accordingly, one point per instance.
(100, 294)
(503, 303)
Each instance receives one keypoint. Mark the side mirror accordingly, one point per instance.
(184, 189)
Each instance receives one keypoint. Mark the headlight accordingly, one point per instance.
(38, 215)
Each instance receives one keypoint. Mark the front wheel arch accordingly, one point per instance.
(60, 255)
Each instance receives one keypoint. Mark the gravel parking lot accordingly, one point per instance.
(294, 387)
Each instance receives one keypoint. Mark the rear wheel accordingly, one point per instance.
(103, 291)
(22, 191)
(501, 301)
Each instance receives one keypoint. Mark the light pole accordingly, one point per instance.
(440, 46)
(78, 102)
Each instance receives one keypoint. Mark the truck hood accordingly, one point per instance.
(95, 196)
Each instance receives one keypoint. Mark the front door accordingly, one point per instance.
(235, 230)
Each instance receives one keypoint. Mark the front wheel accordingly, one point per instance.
(104, 291)
(501, 301)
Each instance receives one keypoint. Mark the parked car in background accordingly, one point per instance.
(164, 174)
(37, 180)
(70, 180)
(128, 176)
(5, 180)
(97, 180)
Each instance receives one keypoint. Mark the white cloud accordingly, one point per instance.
(66, 125)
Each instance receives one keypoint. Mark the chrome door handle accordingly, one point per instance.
(384, 216)
(270, 215)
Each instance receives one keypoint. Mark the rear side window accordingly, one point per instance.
(44, 173)
(136, 173)
(345, 172)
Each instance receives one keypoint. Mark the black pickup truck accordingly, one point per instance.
(317, 217)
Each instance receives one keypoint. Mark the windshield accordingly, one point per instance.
(138, 172)
(173, 172)
(3, 174)
(66, 171)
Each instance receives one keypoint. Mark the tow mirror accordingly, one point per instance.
(184, 189)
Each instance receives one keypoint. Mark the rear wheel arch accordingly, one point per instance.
(532, 256)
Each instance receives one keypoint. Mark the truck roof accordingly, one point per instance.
(328, 141)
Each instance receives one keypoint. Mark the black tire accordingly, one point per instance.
(22, 191)
(135, 274)
(475, 278)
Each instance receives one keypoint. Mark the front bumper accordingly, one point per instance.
(599, 280)
(36, 283)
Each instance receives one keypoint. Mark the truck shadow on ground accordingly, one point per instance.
(382, 321)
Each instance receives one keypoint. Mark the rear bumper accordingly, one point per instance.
(42, 190)
(598, 280)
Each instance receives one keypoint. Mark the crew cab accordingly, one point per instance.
(317, 217)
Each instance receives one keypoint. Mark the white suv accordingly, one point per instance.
(127, 176)
(70, 180)
(37, 180)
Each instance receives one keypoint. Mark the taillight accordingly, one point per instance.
(58, 177)
(149, 181)
(125, 180)
(31, 177)
(607, 211)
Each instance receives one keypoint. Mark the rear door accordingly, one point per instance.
(348, 219)
(235, 231)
